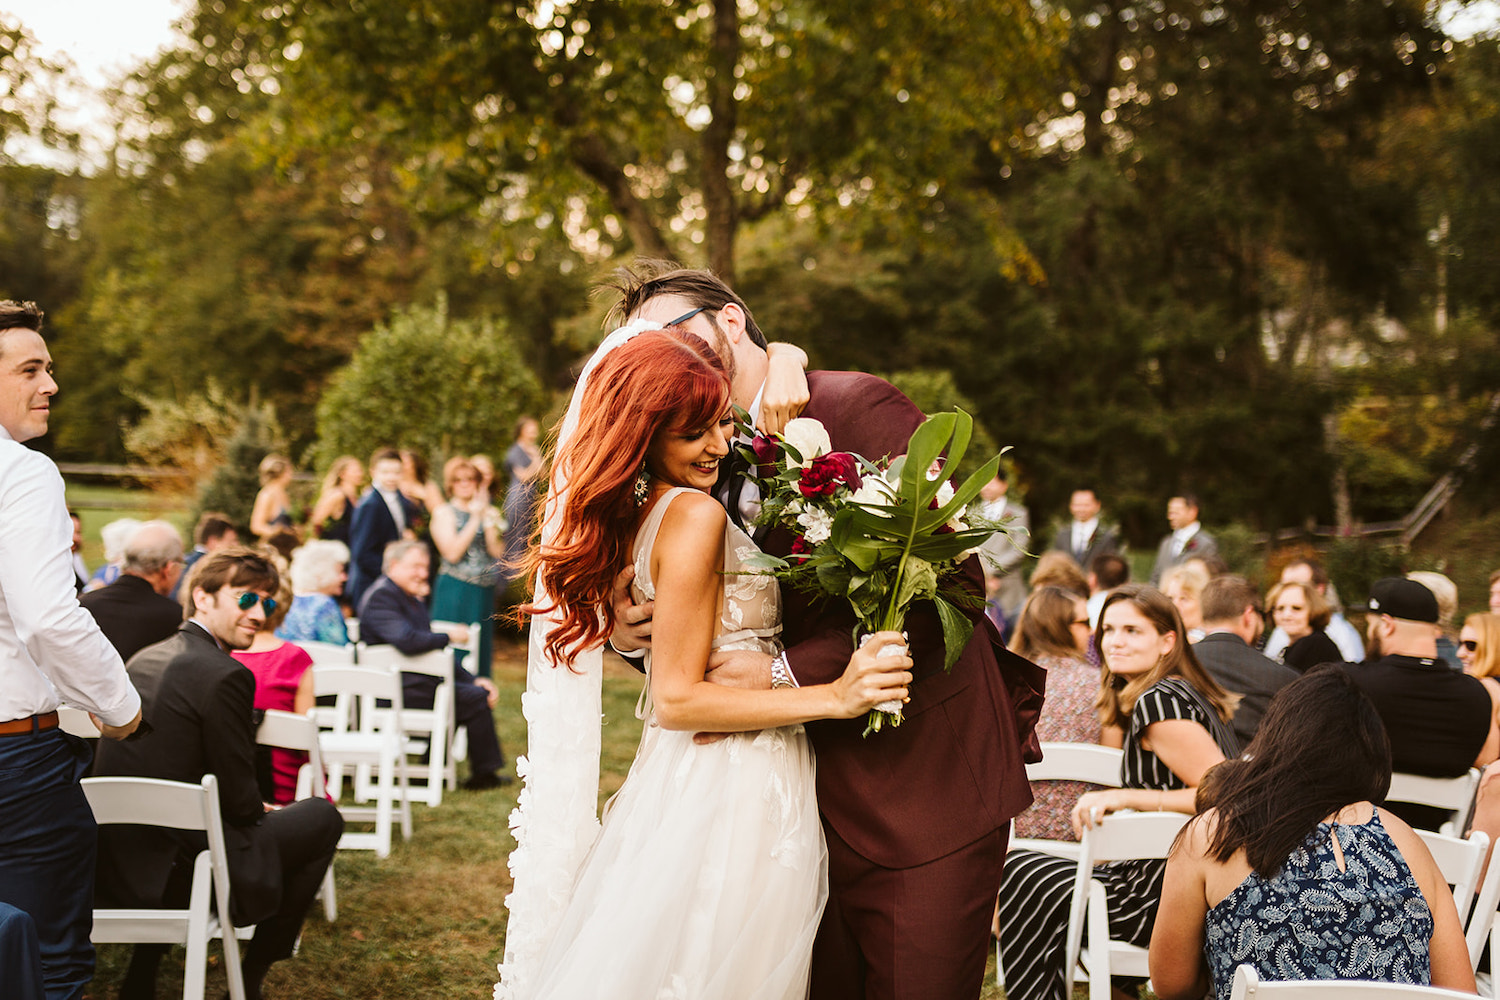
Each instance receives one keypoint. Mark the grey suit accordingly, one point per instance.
(1004, 552)
(1104, 540)
(1231, 662)
(1201, 545)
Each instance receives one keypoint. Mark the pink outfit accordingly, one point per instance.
(1068, 716)
(278, 672)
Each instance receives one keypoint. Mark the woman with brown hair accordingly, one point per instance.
(1176, 722)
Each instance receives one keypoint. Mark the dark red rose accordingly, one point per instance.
(848, 467)
(801, 548)
(818, 480)
(765, 450)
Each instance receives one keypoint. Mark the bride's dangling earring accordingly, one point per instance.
(642, 486)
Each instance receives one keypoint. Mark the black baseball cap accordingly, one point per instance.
(1402, 598)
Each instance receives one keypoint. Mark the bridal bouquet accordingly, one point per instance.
(879, 534)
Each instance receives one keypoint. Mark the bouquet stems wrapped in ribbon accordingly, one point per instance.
(879, 534)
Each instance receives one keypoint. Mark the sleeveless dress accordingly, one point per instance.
(1313, 921)
(465, 590)
(709, 876)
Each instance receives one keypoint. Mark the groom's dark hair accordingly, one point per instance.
(649, 278)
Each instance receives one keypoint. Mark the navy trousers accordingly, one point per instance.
(472, 711)
(48, 841)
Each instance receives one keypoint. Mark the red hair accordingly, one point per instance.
(657, 381)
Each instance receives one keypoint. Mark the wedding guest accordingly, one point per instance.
(1232, 621)
(282, 681)
(318, 574)
(1184, 585)
(213, 531)
(1005, 550)
(1479, 651)
(417, 485)
(523, 464)
(1495, 592)
(135, 611)
(486, 470)
(1176, 722)
(1295, 871)
(1086, 535)
(1446, 593)
(1310, 573)
(1186, 540)
(114, 535)
(273, 504)
(1057, 569)
(382, 516)
(466, 531)
(334, 510)
(1301, 613)
(1053, 633)
(1106, 572)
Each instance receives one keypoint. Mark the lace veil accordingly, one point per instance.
(556, 816)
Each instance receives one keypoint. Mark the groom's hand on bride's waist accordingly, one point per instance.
(632, 632)
(737, 668)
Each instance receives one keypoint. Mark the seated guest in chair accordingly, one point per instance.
(135, 611)
(392, 613)
(199, 700)
(1295, 870)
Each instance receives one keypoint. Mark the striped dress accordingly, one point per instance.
(1037, 888)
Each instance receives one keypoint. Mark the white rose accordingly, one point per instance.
(874, 491)
(809, 437)
(944, 493)
(816, 525)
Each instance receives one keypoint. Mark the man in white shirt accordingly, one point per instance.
(1346, 637)
(1085, 536)
(1002, 555)
(1187, 541)
(50, 650)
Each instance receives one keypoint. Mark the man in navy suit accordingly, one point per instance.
(382, 517)
(392, 613)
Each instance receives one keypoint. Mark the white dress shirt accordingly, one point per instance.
(1082, 532)
(51, 650)
(392, 500)
(1182, 536)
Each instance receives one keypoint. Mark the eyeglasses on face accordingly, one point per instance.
(248, 598)
(688, 315)
(1472, 645)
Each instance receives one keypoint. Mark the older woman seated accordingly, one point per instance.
(317, 580)
(1295, 871)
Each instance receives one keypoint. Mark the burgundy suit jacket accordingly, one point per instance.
(954, 770)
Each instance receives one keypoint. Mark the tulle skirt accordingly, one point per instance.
(708, 878)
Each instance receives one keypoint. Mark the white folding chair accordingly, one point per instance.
(329, 654)
(1120, 837)
(428, 730)
(289, 731)
(1461, 862)
(1071, 762)
(460, 749)
(175, 805)
(1248, 985)
(1454, 794)
(380, 746)
(76, 722)
(1482, 925)
(351, 625)
(1098, 765)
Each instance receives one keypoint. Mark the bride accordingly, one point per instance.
(709, 875)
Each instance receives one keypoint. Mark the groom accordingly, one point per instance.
(916, 817)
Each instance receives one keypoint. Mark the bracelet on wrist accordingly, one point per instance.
(781, 672)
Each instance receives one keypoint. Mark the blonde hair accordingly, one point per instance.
(273, 467)
(1487, 656)
(1118, 694)
(1192, 577)
(1444, 590)
(1058, 569)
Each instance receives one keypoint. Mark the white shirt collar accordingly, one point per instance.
(1183, 534)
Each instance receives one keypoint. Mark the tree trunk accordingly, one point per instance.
(718, 196)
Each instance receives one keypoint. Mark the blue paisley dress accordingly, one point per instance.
(1314, 921)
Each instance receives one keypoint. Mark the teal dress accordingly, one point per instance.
(465, 591)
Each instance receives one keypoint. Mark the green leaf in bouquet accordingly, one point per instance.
(929, 519)
(957, 630)
(765, 561)
(918, 579)
(790, 474)
(940, 432)
(941, 548)
(833, 576)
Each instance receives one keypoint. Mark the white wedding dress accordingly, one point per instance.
(710, 873)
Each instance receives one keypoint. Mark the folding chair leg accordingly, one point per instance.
(1098, 930)
(330, 900)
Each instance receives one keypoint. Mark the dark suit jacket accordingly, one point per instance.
(199, 701)
(953, 772)
(1105, 539)
(1202, 545)
(389, 615)
(371, 529)
(1242, 670)
(132, 615)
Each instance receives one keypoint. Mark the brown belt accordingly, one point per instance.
(32, 724)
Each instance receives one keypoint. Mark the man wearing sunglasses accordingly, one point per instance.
(200, 701)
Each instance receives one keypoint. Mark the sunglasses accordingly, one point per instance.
(687, 316)
(1472, 645)
(248, 598)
